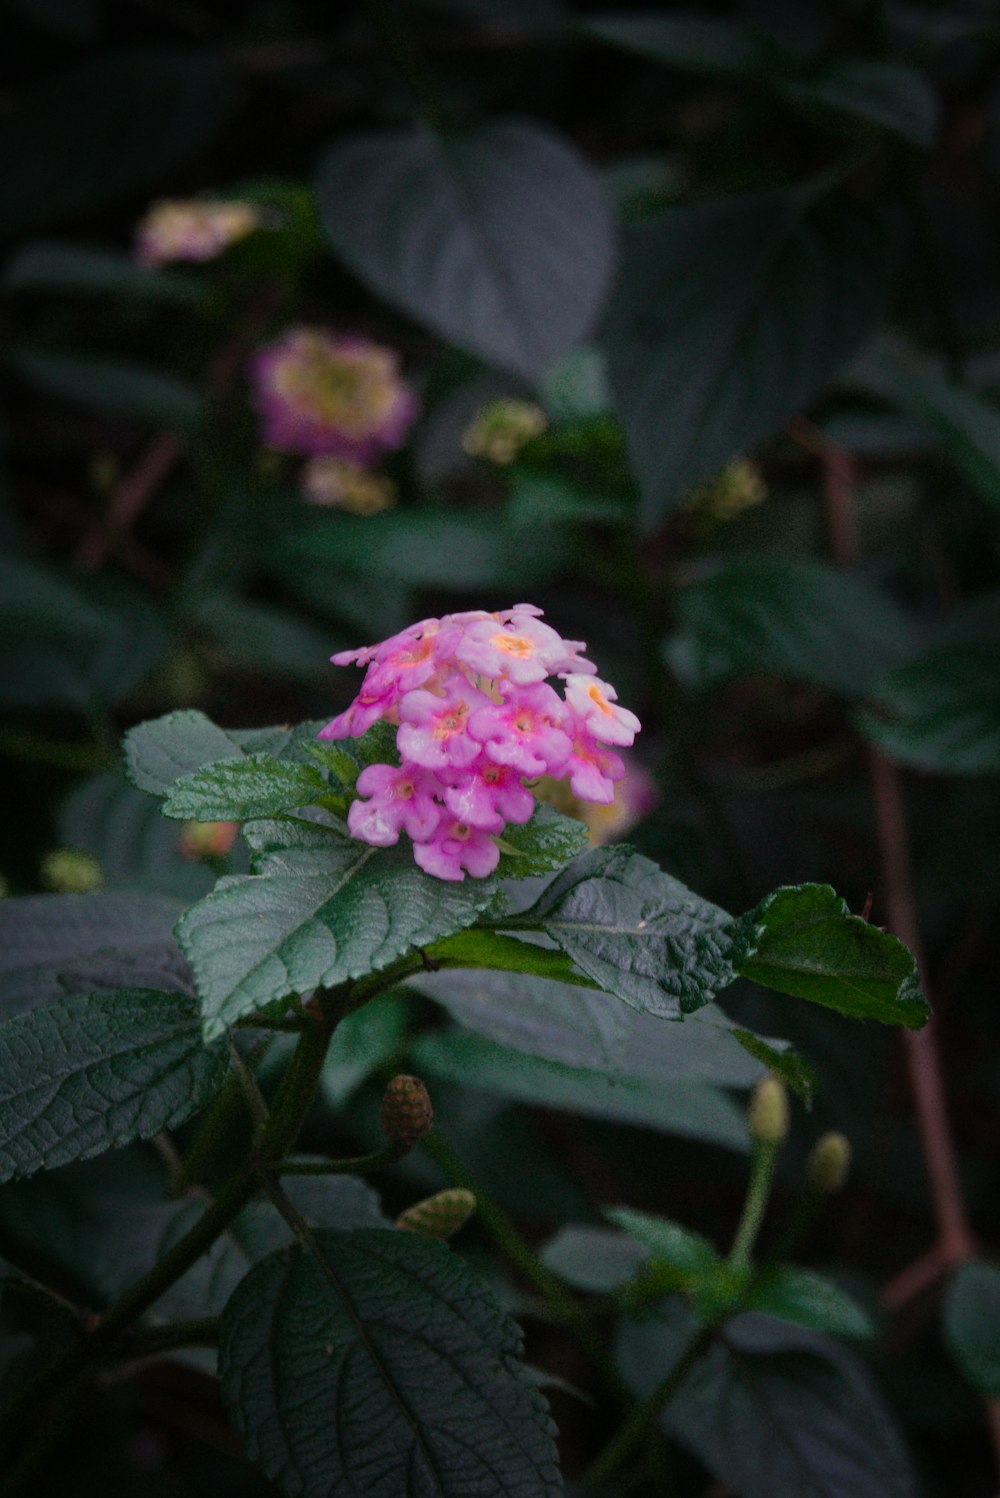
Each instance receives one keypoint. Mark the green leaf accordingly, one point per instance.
(941, 711)
(238, 790)
(316, 916)
(135, 847)
(635, 931)
(501, 239)
(671, 1105)
(594, 1259)
(811, 1300)
(699, 44)
(667, 1242)
(972, 1325)
(59, 266)
(784, 1060)
(84, 1075)
(113, 124)
(120, 386)
(803, 940)
(888, 94)
(790, 617)
(432, 550)
(161, 751)
(541, 845)
(378, 1366)
(45, 937)
(263, 638)
(363, 1044)
(772, 1409)
(965, 423)
(37, 599)
(729, 317)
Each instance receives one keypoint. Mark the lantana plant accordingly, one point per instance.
(360, 1353)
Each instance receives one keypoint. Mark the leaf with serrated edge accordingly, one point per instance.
(159, 752)
(380, 1365)
(803, 940)
(233, 791)
(635, 931)
(312, 917)
(88, 1074)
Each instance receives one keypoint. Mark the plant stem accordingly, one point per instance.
(765, 1153)
(359, 1165)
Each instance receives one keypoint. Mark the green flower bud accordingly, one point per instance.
(406, 1114)
(829, 1164)
(767, 1115)
(70, 871)
(439, 1216)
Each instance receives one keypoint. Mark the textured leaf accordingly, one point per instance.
(107, 126)
(772, 1409)
(237, 790)
(161, 751)
(43, 936)
(789, 617)
(810, 1300)
(500, 240)
(940, 712)
(316, 916)
(635, 931)
(545, 843)
(382, 1367)
(731, 316)
(84, 1075)
(691, 1109)
(803, 940)
(972, 1325)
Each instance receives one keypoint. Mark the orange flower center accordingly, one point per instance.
(598, 698)
(518, 645)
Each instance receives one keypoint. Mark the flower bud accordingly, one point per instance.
(439, 1216)
(207, 839)
(829, 1164)
(407, 1114)
(767, 1115)
(70, 871)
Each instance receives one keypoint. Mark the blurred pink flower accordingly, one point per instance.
(192, 229)
(341, 395)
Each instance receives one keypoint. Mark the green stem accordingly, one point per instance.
(765, 1153)
(378, 1160)
(520, 1253)
(200, 1332)
(634, 1431)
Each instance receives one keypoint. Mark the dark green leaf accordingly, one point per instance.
(44, 936)
(84, 1075)
(545, 843)
(772, 1409)
(700, 44)
(500, 240)
(810, 1300)
(237, 790)
(882, 93)
(784, 1060)
(972, 1325)
(37, 599)
(104, 127)
(136, 849)
(635, 931)
(665, 1241)
(364, 1043)
(103, 384)
(59, 266)
(380, 1366)
(940, 712)
(261, 637)
(803, 940)
(790, 617)
(595, 1259)
(159, 752)
(316, 915)
(731, 316)
(691, 1109)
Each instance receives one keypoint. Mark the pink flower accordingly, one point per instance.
(192, 229)
(433, 730)
(456, 846)
(593, 703)
(593, 769)
(523, 649)
(488, 795)
(524, 731)
(402, 798)
(318, 392)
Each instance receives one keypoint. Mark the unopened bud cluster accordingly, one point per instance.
(407, 1115)
(439, 1216)
(476, 717)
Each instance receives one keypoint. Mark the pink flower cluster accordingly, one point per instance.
(477, 717)
(337, 395)
(193, 229)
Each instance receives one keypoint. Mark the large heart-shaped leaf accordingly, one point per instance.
(729, 317)
(379, 1365)
(501, 240)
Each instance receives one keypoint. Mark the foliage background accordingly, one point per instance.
(760, 230)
